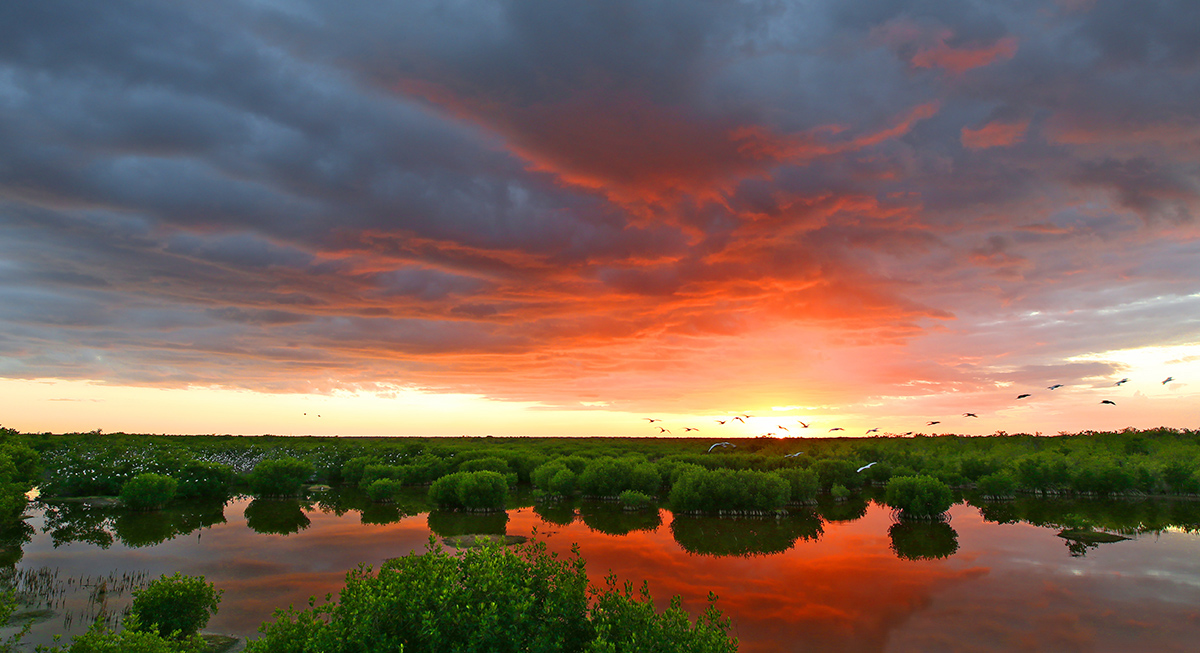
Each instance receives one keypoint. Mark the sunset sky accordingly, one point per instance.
(559, 218)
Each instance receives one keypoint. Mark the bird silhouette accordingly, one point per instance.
(1109, 402)
(932, 423)
(866, 466)
(1056, 386)
(970, 415)
(652, 420)
(909, 433)
(874, 430)
(1024, 395)
(721, 421)
(739, 418)
(802, 424)
(1122, 381)
(1168, 380)
(782, 427)
(837, 428)
(688, 428)
(662, 430)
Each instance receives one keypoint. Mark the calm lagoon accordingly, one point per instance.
(836, 577)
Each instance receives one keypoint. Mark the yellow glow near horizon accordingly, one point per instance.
(60, 406)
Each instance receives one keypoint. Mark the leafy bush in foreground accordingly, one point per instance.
(726, 489)
(918, 496)
(488, 599)
(174, 606)
(148, 491)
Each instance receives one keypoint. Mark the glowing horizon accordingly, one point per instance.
(559, 220)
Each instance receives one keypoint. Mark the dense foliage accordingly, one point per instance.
(487, 599)
(703, 490)
(481, 490)
(918, 496)
(148, 491)
(175, 606)
(280, 477)
(1127, 463)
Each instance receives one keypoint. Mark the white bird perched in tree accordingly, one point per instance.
(866, 466)
(721, 444)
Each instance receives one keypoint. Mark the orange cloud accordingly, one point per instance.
(994, 134)
(960, 60)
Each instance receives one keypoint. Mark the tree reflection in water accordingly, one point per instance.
(559, 513)
(445, 523)
(277, 516)
(922, 540)
(104, 523)
(612, 519)
(745, 536)
(849, 510)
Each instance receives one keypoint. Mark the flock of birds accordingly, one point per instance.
(662, 430)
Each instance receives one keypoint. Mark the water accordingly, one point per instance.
(837, 577)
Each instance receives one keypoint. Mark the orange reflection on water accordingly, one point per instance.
(841, 586)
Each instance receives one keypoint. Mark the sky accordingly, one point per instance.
(562, 218)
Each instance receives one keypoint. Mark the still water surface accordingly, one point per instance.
(838, 577)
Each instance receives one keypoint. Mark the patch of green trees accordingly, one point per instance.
(489, 599)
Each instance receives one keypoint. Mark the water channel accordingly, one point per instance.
(1030, 575)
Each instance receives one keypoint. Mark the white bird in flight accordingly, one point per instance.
(721, 444)
(792, 455)
(866, 466)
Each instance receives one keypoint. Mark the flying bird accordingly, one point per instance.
(792, 455)
(875, 430)
(837, 428)
(652, 420)
(970, 415)
(932, 423)
(663, 430)
(688, 428)
(1168, 380)
(1109, 402)
(721, 421)
(721, 444)
(1056, 386)
(1122, 381)
(782, 427)
(802, 424)
(739, 418)
(909, 433)
(1024, 395)
(866, 466)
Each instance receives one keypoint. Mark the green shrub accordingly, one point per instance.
(204, 479)
(352, 470)
(923, 541)
(918, 496)
(802, 484)
(384, 489)
(564, 482)
(606, 477)
(502, 600)
(470, 491)
(727, 489)
(132, 639)
(997, 484)
(175, 606)
(148, 491)
(839, 492)
(279, 477)
(490, 464)
(635, 499)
